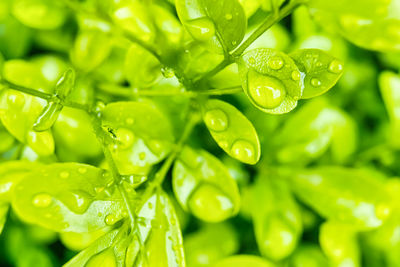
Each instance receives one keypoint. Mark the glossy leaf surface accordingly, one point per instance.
(71, 197)
(143, 135)
(218, 24)
(244, 260)
(321, 70)
(204, 186)
(271, 80)
(232, 131)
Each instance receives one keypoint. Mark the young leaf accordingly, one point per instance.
(220, 25)
(204, 186)
(3, 214)
(340, 243)
(232, 131)
(244, 260)
(308, 255)
(70, 197)
(271, 80)
(143, 135)
(276, 218)
(352, 196)
(389, 83)
(321, 70)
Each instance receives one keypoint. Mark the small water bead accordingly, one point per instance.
(82, 170)
(336, 66)
(77, 202)
(99, 189)
(142, 155)
(244, 151)
(125, 137)
(276, 63)
(42, 200)
(228, 16)
(234, 42)
(216, 120)
(252, 60)
(315, 82)
(382, 211)
(202, 28)
(266, 91)
(150, 205)
(167, 72)
(319, 64)
(296, 76)
(64, 174)
(129, 121)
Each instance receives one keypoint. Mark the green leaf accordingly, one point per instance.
(353, 196)
(70, 197)
(309, 255)
(389, 84)
(271, 80)
(14, 45)
(142, 69)
(276, 218)
(90, 49)
(319, 128)
(340, 243)
(11, 172)
(143, 135)
(39, 14)
(3, 215)
(321, 71)
(204, 244)
(220, 25)
(244, 260)
(232, 131)
(203, 185)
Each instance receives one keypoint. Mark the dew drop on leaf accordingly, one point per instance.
(296, 76)
(216, 120)
(110, 219)
(228, 16)
(243, 151)
(129, 121)
(276, 63)
(16, 100)
(315, 82)
(266, 91)
(167, 72)
(382, 211)
(125, 137)
(202, 29)
(82, 170)
(64, 174)
(335, 66)
(42, 200)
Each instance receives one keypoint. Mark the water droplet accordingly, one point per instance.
(243, 151)
(142, 155)
(223, 143)
(296, 76)
(252, 60)
(167, 72)
(216, 120)
(382, 211)
(234, 42)
(100, 214)
(66, 225)
(276, 63)
(319, 64)
(82, 170)
(16, 100)
(150, 205)
(173, 221)
(77, 202)
(202, 29)
(110, 219)
(129, 121)
(156, 146)
(228, 16)
(125, 138)
(266, 91)
(335, 66)
(64, 174)
(42, 200)
(98, 189)
(315, 82)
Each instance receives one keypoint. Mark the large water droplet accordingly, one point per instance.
(276, 63)
(335, 66)
(42, 200)
(243, 151)
(202, 29)
(266, 91)
(77, 202)
(315, 82)
(125, 138)
(111, 219)
(210, 204)
(216, 120)
(296, 76)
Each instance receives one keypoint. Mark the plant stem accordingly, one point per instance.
(162, 172)
(124, 91)
(26, 90)
(268, 23)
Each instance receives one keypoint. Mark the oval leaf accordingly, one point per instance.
(321, 70)
(70, 197)
(232, 131)
(244, 260)
(143, 135)
(220, 25)
(203, 185)
(271, 80)
(352, 196)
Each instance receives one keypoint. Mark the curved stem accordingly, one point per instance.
(26, 90)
